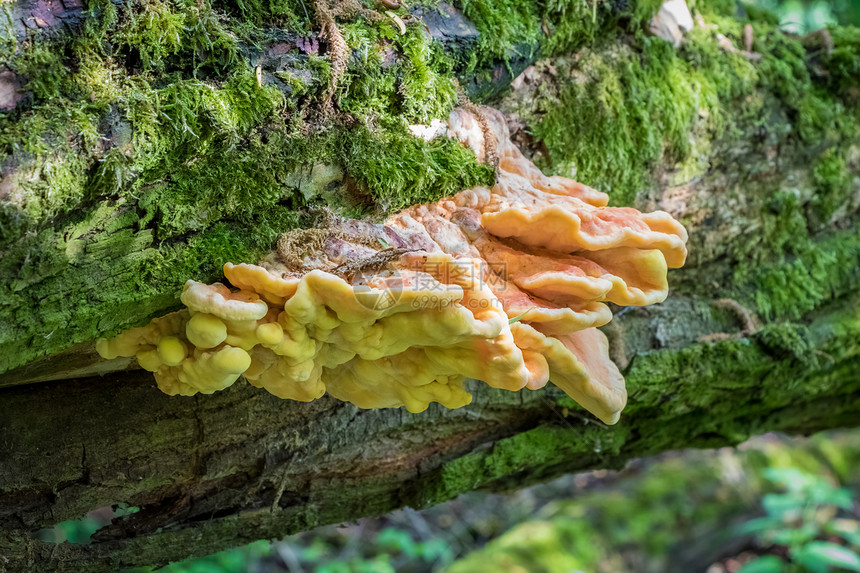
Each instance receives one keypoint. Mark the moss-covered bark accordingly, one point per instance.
(144, 150)
(141, 150)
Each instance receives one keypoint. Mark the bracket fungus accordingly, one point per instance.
(504, 285)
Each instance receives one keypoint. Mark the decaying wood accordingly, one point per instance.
(211, 472)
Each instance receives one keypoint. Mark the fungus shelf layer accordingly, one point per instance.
(505, 285)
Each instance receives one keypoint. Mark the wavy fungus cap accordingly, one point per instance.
(505, 285)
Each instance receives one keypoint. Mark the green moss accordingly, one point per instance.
(818, 272)
(633, 111)
(522, 30)
(508, 28)
(573, 24)
(793, 74)
(8, 42)
(104, 259)
(192, 128)
(418, 88)
(628, 111)
(44, 69)
(156, 32)
(814, 114)
(759, 14)
(842, 64)
(536, 450)
(715, 8)
(433, 170)
(798, 262)
(832, 185)
(427, 83)
(293, 15)
(782, 230)
(102, 18)
(787, 339)
(175, 34)
(57, 180)
(774, 364)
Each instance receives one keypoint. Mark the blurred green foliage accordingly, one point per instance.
(388, 550)
(680, 513)
(803, 520)
(805, 16)
(81, 530)
(223, 561)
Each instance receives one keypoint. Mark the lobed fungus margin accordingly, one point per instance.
(505, 285)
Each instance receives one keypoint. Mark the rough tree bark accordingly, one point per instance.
(146, 142)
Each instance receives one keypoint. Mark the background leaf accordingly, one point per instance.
(822, 555)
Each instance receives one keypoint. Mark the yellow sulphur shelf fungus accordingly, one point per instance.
(504, 285)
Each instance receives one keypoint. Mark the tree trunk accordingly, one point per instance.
(149, 142)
